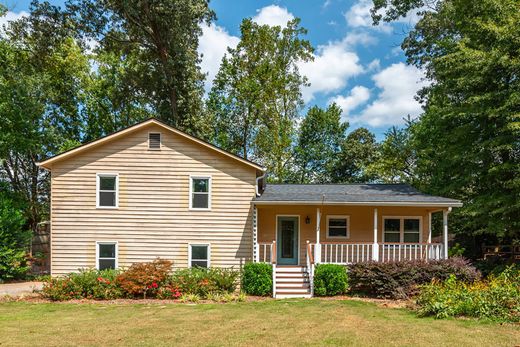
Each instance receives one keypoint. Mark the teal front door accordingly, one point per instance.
(287, 241)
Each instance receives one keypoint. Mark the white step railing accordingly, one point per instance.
(345, 253)
(410, 251)
(265, 252)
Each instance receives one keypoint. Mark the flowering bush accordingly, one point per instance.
(144, 279)
(203, 281)
(497, 298)
(87, 284)
(400, 280)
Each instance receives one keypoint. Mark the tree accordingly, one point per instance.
(153, 44)
(320, 137)
(256, 94)
(468, 140)
(394, 160)
(357, 153)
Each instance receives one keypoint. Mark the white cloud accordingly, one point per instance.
(334, 64)
(374, 65)
(10, 16)
(273, 15)
(357, 97)
(213, 45)
(358, 16)
(398, 86)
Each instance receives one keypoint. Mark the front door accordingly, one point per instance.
(287, 241)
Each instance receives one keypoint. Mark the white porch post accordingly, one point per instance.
(429, 227)
(317, 248)
(375, 247)
(256, 247)
(445, 231)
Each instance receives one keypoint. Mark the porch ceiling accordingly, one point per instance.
(350, 194)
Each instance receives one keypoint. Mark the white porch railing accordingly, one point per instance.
(345, 253)
(410, 251)
(310, 249)
(265, 252)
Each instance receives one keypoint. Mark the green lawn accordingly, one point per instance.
(282, 323)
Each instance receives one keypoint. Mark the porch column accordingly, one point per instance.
(317, 248)
(445, 230)
(429, 227)
(375, 246)
(256, 248)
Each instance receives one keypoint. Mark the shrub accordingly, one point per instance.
(87, 284)
(202, 281)
(144, 279)
(257, 279)
(330, 279)
(496, 298)
(14, 240)
(400, 280)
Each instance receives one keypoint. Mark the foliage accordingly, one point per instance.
(154, 46)
(400, 280)
(87, 284)
(257, 279)
(320, 137)
(256, 94)
(497, 297)
(144, 279)
(202, 281)
(14, 240)
(467, 142)
(330, 280)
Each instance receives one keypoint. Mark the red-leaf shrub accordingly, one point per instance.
(144, 279)
(400, 280)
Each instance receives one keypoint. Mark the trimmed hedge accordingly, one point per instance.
(257, 279)
(330, 279)
(401, 280)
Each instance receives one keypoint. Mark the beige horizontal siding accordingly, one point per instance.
(153, 218)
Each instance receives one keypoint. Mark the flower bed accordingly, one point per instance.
(145, 280)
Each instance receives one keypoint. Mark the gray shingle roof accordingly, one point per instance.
(350, 193)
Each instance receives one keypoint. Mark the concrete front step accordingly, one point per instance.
(293, 296)
(292, 282)
(292, 291)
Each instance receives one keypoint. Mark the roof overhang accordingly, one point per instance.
(362, 203)
(47, 164)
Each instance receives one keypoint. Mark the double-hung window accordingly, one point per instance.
(199, 255)
(106, 255)
(402, 229)
(200, 193)
(338, 226)
(107, 190)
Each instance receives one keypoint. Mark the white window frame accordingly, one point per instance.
(116, 260)
(107, 174)
(206, 177)
(401, 227)
(338, 217)
(160, 140)
(199, 244)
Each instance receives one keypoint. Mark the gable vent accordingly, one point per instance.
(154, 140)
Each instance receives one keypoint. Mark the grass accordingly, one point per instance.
(280, 323)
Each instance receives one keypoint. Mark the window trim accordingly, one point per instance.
(116, 259)
(401, 228)
(160, 141)
(347, 217)
(199, 244)
(107, 174)
(192, 177)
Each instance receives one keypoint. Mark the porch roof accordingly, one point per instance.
(351, 194)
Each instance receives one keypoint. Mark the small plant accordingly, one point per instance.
(193, 298)
(257, 279)
(330, 279)
(168, 291)
(241, 297)
(216, 297)
(144, 279)
(497, 298)
(228, 297)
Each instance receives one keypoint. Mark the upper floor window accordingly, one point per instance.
(107, 190)
(154, 141)
(200, 193)
(338, 226)
(402, 229)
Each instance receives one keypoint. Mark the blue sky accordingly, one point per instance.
(359, 66)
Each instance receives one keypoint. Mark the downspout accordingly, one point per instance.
(258, 182)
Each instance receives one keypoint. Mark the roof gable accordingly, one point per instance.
(47, 164)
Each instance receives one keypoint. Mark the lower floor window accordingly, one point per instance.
(402, 229)
(106, 255)
(199, 256)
